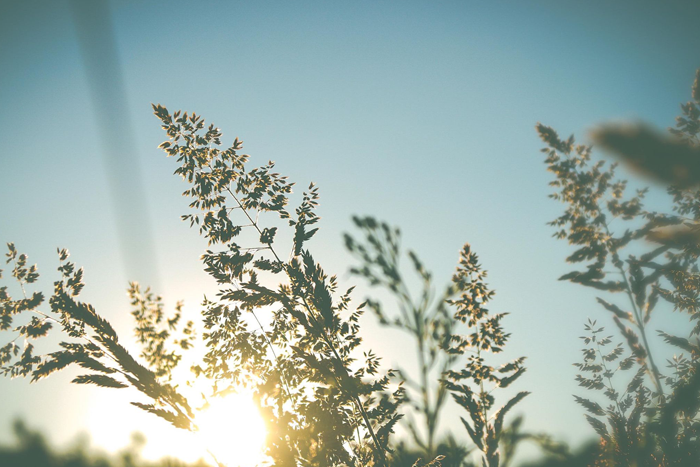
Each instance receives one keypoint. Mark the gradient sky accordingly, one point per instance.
(419, 113)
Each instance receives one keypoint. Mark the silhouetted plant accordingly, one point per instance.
(321, 408)
(626, 438)
(433, 327)
(93, 343)
(425, 318)
(661, 263)
(153, 330)
(316, 402)
(472, 387)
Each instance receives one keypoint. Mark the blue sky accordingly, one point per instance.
(420, 113)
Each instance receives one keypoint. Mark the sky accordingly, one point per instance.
(418, 113)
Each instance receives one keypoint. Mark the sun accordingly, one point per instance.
(232, 429)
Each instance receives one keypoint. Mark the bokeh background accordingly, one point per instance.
(419, 113)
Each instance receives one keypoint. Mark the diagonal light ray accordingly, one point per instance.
(104, 75)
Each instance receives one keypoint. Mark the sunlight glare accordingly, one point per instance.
(232, 429)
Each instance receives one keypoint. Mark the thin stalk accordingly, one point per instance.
(654, 370)
(419, 332)
(424, 390)
(219, 464)
(640, 326)
(269, 344)
(483, 414)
